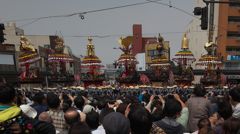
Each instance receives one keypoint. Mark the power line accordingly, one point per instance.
(77, 13)
(171, 6)
(33, 20)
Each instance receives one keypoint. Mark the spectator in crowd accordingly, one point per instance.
(100, 105)
(168, 124)
(79, 128)
(203, 125)
(15, 121)
(71, 116)
(224, 109)
(44, 116)
(39, 103)
(155, 107)
(183, 118)
(138, 111)
(116, 123)
(42, 127)
(122, 108)
(105, 112)
(225, 112)
(55, 112)
(92, 119)
(231, 126)
(198, 106)
(66, 101)
(140, 120)
(88, 108)
(9, 112)
(235, 101)
(79, 102)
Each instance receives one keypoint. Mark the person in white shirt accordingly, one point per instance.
(235, 101)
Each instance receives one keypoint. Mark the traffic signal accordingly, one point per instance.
(197, 11)
(204, 18)
(1, 33)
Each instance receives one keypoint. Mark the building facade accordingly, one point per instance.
(43, 44)
(229, 34)
(8, 70)
(139, 42)
(226, 35)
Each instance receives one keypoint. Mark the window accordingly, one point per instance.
(234, 4)
(233, 18)
(150, 52)
(153, 53)
(233, 34)
(231, 64)
(233, 49)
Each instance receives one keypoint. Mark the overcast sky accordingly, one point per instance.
(155, 18)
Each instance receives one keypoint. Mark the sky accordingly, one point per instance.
(155, 18)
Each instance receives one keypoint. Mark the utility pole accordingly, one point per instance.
(211, 22)
(211, 16)
(2, 27)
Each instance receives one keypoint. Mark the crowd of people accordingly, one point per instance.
(118, 111)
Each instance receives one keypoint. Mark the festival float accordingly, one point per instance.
(29, 71)
(91, 67)
(212, 64)
(160, 67)
(184, 58)
(126, 63)
(57, 62)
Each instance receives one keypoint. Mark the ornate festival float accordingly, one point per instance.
(211, 62)
(91, 67)
(57, 62)
(28, 60)
(184, 58)
(126, 63)
(160, 68)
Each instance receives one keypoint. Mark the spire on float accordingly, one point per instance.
(90, 48)
(185, 42)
